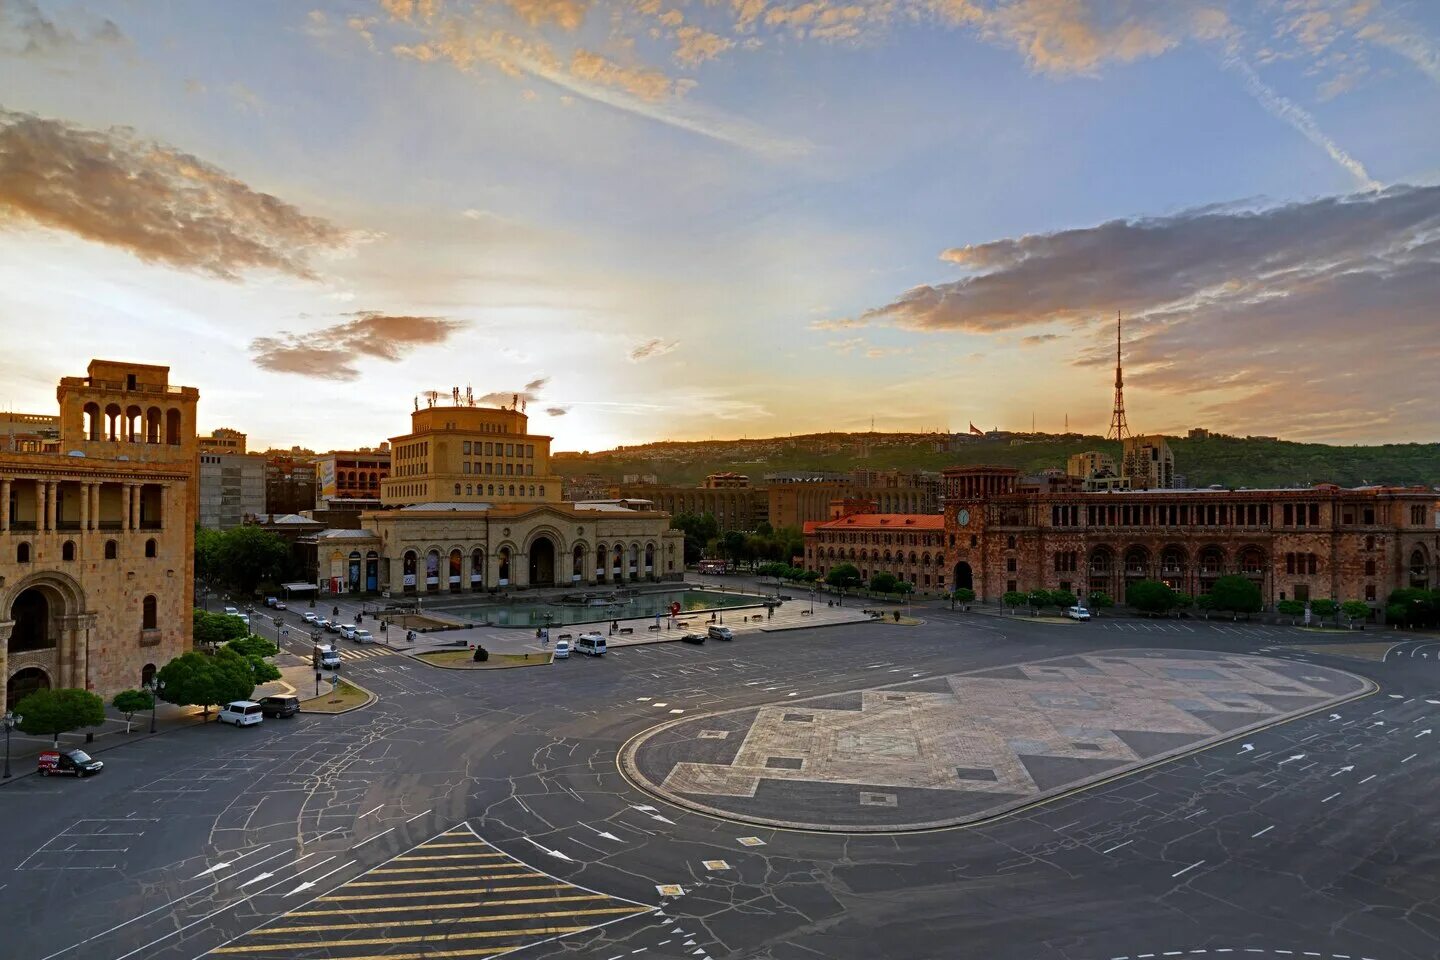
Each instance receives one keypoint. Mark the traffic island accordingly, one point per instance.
(345, 697)
(951, 750)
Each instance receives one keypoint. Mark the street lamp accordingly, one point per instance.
(10, 721)
(154, 686)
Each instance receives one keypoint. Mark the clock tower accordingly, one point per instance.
(966, 493)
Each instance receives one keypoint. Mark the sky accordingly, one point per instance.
(686, 219)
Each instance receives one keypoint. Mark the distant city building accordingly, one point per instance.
(725, 481)
(909, 546)
(223, 440)
(290, 485)
(1198, 433)
(1148, 463)
(1091, 463)
(29, 432)
(351, 475)
(591, 486)
(633, 478)
(97, 567)
(232, 489)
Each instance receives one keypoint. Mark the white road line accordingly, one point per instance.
(1118, 846)
(416, 817)
(368, 812)
(1187, 869)
(368, 839)
(1331, 797)
(1262, 832)
(1369, 778)
(1409, 758)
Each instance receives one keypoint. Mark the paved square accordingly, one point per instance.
(952, 749)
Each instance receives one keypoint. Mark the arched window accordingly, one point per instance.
(93, 421)
(147, 676)
(532, 490)
(490, 490)
(22, 553)
(112, 550)
(147, 613)
(152, 425)
(457, 489)
(469, 490)
(172, 427)
(151, 548)
(67, 550)
(542, 490)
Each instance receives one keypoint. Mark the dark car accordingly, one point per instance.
(693, 638)
(69, 763)
(279, 706)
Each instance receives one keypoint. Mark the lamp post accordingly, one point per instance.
(154, 686)
(10, 721)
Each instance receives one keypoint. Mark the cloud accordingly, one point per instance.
(330, 353)
(652, 348)
(1255, 311)
(529, 394)
(846, 346)
(649, 85)
(839, 323)
(696, 45)
(566, 14)
(1038, 339)
(159, 204)
(556, 411)
(27, 30)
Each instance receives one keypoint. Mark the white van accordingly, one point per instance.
(242, 713)
(720, 633)
(326, 656)
(591, 643)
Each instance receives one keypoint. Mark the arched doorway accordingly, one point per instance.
(24, 683)
(577, 564)
(504, 567)
(453, 576)
(542, 562)
(964, 576)
(34, 623)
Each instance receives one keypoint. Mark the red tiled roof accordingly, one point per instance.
(884, 521)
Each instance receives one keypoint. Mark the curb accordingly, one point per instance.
(339, 713)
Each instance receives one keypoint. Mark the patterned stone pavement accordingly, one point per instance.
(953, 749)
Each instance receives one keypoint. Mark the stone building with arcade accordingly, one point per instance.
(97, 536)
(471, 506)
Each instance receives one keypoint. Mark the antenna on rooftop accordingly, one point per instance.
(469, 396)
(431, 396)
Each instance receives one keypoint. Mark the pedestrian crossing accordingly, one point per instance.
(1249, 631)
(453, 896)
(365, 653)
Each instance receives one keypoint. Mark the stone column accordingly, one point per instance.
(5, 627)
(135, 492)
(40, 507)
(125, 507)
(52, 503)
(4, 513)
(95, 506)
(85, 506)
(465, 565)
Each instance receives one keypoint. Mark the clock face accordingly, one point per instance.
(964, 517)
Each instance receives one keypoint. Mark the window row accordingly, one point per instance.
(495, 449)
(132, 424)
(488, 490)
(500, 469)
(70, 552)
(1303, 563)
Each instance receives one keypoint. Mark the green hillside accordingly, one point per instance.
(1229, 461)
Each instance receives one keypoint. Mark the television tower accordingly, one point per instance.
(1119, 429)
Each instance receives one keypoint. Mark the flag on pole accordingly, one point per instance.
(976, 430)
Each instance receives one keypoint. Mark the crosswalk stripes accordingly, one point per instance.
(453, 896)
(364, 654)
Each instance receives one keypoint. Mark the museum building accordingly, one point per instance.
(471, 505)
(96, 568)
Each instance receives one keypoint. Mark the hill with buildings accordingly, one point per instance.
(1201, 459)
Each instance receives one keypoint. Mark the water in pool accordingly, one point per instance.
(645, 605)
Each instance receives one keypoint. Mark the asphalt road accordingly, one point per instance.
(487, 805)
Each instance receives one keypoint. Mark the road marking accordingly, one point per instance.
(382, 941)
(1343, 770)
(423, 880)
(453, 856)
(1262, 832)
(1187, 869)
(416, 817)
(1369, 778)
(1331, 797)
(370, 897)
(310, 883)
(1118, 846)
(350, 912)
(1409, 758)
(1198, 812)
(368, 839)
(368, 812)
(448, 921)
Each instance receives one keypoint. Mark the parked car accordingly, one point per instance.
(270, 601)
(347, 630)
(720, 633)
(281, 705)
(692, 638)
(360, 635)
(233, 611)
(280, 605)
(242, 713)
(68, 763)
(1077, 613)
(333, 626)
(562, 649)
(310, 617)
(592, 644)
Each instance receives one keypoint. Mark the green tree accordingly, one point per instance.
(1397, 613)
(131, 702)
(883, 582)
(253, 646)
(965, 596)
(53, 712)
(1038, 600)
(1183, 601)
(845, 576)
(249, 555)
(200, 680)
(764, 529)
(217, 628)
(699, 529)
(1420, 606)
(208, 566)
(1324, 608)
(1205, 603)
(1014, 599)
(1099, 600)
(734, 545)
(1291, 609)
(1235, 594)
(904, 587)
(1354, 610)
(1063, 599)
(1150, 596)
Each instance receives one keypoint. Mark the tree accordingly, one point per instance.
(249, 555)
(1063, 599)
(1150, 596)
(1100, 600)
(764, 529)
(1354, 610)
(208, 567)
(54, 712)
(217, 628)
(253, 646)
(1396, 613)
(734, 545)
(1014, 599)
(1291, 609)
(198, 679)
(699, 529)
(904, 587)
(1038, 600)
(965, 596)
(131, 702)
(845, 576)
(1420, 606)
(1235, 594)
(1183, 601)
(1324, 609)
(1205, 603)
(883, 583)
